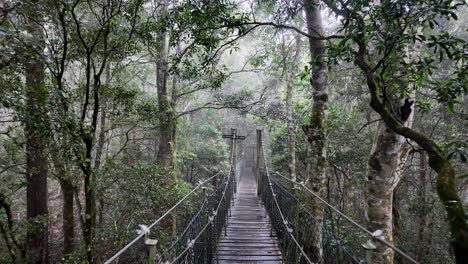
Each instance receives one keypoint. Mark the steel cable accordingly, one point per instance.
(192, 220)
(350, 256)
(142, 234)
(368, 232)
(284, 220)
(211, 220)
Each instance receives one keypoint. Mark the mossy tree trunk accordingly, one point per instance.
(422, 213)
(166, 112)
(166, 105)
(68, 218)
(438, 161)
(385, 169)
(317, 127)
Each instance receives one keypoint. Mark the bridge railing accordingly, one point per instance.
(277, 207)
(141, 248)
(286, 204)
(293, 201)
(196, 240)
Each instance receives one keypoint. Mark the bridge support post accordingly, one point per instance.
(152, 251)
(234, 158)
(259, 163)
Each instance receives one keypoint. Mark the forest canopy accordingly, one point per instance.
(114, 111)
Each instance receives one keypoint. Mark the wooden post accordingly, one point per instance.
(234, 157)
(204, 192)
(259, 163)
(234, 137)
(152, 251)
(214, 182)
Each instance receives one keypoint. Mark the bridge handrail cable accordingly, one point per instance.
(365, 230)
(303, 207)
(284, 221)
(195, 216)
(142, 234)
(211, 219)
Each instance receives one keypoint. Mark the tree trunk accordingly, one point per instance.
(89, 231)
(36, 158)
(8, 234)
(101, 140)
(58, 151)
(2, 12)
(316, 129)
(446, 177)
(290, 112)
(422, 212)
(68, 218)
(397, 224)
(385, 168)
(167, 120)
(166, 113)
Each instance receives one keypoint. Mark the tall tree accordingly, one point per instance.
(401, 20)
(386, 164)
(290, 112)
(316, 129)
(100, 37)
(61, 139)
(167, 115)
(35, 128)
(385, 169)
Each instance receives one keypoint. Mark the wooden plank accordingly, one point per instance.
(243, 247)
(248, 230)
(249, 258)
(223, 261)
(248, 252)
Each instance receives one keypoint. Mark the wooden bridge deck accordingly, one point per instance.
(248, 237)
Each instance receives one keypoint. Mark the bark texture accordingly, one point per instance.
(397, 221)
(386, 164)
(8, 232)
(317, 127)
(35, 124)
(89, 230)
(438, 161)
(423, 210)
(166, 112)
(290, 112)
(385, 169)
(68, 218)
(166, 105)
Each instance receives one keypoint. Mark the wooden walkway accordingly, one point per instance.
(248, 237)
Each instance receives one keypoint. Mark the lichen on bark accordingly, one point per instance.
(316, 129)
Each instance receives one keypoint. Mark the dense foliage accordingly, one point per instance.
(113, 110)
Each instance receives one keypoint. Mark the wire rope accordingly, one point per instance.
(368, 232)
(142, 234)
(192, 242)
(284, 219)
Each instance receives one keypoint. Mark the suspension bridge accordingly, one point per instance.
(251, 216)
